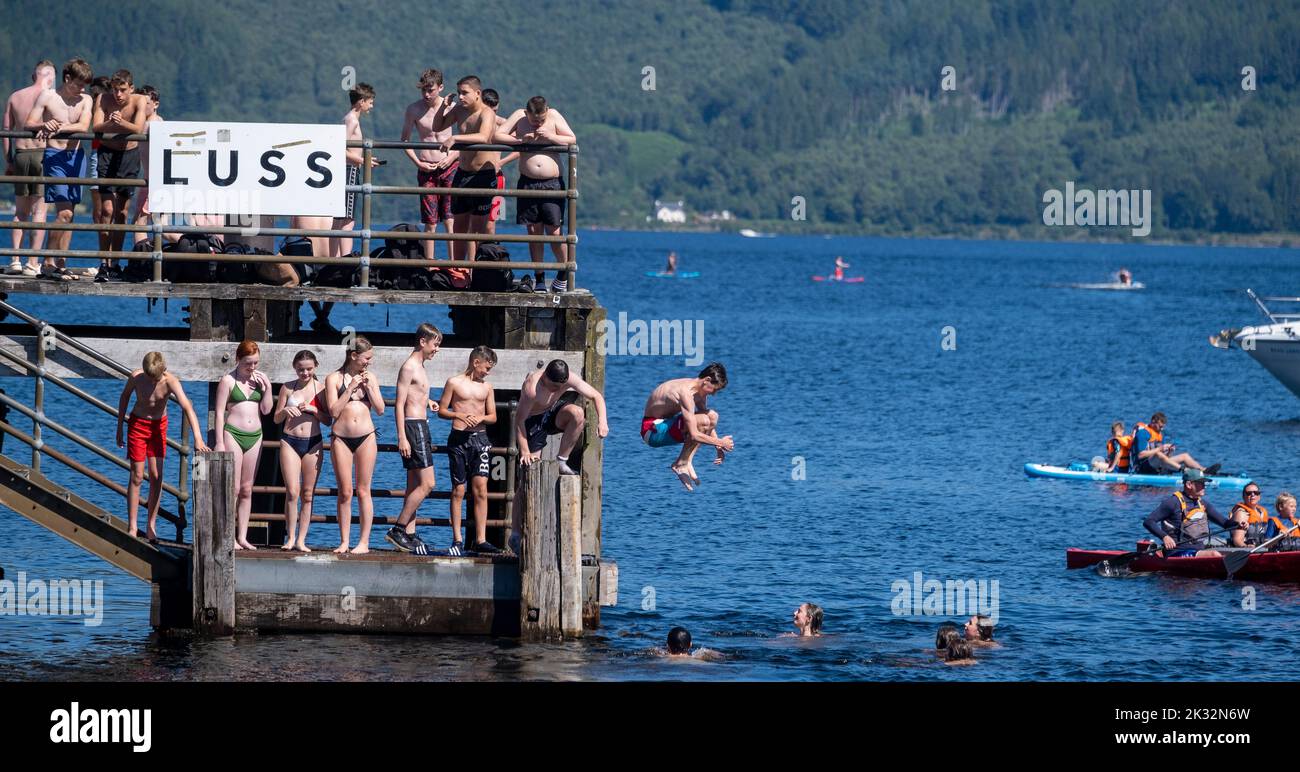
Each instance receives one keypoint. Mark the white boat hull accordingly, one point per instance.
(1277, 349)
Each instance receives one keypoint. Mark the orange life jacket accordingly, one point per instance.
(1125, 443)
(1257, 521)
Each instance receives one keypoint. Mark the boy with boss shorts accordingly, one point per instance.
(468, 402)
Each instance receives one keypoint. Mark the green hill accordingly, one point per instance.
(756, 102)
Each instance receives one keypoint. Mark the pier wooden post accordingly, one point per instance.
(550, 569)
(214, 544)
(593, 450)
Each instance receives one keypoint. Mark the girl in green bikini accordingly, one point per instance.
(351, 394)
(243, 397)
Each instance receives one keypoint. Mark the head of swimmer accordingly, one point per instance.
(43, 74)
(808, 619)
(430, 85)
(536, 111)
(469, 90)
(556, 374)
(481, 361)
(978, 628)
(151, 106)
(154, 365)
(304, 365)
(679, 641)
(428, 339)
(362, 97)
(247, 357)
(76, 76)
(713, 379)
(121, 86)
(359, 355)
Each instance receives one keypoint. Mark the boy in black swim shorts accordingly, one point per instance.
(414, 444)
(468, 401)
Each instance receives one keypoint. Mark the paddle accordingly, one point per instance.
(1107, 566)
(1234, 561)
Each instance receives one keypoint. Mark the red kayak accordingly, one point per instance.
(1260, 567)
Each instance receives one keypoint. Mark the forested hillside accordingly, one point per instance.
(755, 102)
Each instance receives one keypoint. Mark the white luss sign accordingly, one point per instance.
(207, 167)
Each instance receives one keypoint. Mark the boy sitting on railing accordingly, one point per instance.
(147, 433)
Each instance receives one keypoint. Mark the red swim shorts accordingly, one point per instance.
(146, 438)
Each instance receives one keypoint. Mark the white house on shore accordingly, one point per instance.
(668, 211)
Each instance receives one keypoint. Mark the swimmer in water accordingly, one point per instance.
(840, 265)
(671, 268)
(679, 642)
(959, 653)
(948, 632)
(808, 620)
(1125, 277)
(979, 631)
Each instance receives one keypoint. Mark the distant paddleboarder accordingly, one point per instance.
(677, 412)
(671, 268)
(1125, 277)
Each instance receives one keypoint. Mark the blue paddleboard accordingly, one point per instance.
(1080, 471)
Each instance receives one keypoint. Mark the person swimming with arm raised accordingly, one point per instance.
(677, 412)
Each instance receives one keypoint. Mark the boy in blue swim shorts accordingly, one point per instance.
(678, 412)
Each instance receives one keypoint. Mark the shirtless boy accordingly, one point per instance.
(414, 443)
(468, 402)
(491, 98)
(23, 158)
(475, 123)
(142, 201)
(538, 124)
(147, 433)
(119, 110)
(677, 411)
(67, 109)
(540, 413)
(435, 167)
(363, 101)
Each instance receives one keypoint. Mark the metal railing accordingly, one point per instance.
(40, 421)
(1272, 316)
(363, 262)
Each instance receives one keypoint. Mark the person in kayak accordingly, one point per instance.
(1283, 522)
(1118, 447)
(1182, 519)
(1150, 453)
(840, 265)
(1253, 515)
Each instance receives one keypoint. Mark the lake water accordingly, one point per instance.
(866, 451)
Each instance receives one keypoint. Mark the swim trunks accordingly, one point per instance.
(498, 202)
(468, 454)
(658, 432)
(485, 178)
(350, 199)
(540, 211)
(92, 167)
(435, 208)
(118, 164)
(146, 438)
(537, 427)
(417, 434)
(27, 163)
(62, 163)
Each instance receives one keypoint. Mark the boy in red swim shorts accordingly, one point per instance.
(147, 433)
(677, 412)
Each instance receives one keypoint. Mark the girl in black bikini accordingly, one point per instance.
(300, 447)
(351, 393)
(241, 431)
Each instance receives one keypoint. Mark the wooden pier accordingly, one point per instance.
(554, 588)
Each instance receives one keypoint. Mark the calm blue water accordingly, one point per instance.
(912, 456)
